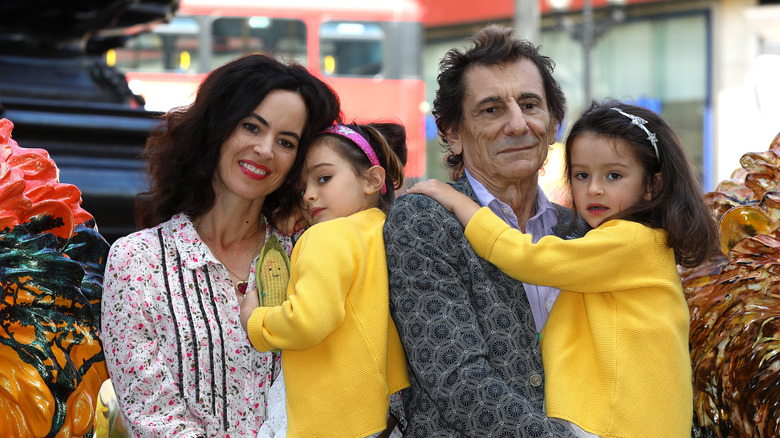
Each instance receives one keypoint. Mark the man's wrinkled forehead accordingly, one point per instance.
(519, 80)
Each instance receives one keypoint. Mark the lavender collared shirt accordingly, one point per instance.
(541, 298)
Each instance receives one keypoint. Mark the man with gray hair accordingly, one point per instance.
(471, 333)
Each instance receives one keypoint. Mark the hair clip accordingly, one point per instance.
(638, 121)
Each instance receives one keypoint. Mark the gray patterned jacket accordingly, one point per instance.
(473, 352)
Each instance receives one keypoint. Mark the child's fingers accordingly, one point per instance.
(249, 303)
(251, 299)
(291, 224)
(300, 224)
(427, 187)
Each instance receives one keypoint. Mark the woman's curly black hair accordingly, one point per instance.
(183, 153)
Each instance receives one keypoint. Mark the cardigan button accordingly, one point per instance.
(535, 380)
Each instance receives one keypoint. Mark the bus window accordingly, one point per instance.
(351, 49)
(236, 36)
(172, 47)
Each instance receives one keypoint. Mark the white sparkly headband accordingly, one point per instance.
(638, 121)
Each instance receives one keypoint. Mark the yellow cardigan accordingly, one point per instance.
(341, 354)
(615, 346)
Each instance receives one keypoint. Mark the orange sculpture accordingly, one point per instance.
(735, 306)
(51, 269)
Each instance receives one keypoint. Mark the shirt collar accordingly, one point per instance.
(193, 251)
(538, 226)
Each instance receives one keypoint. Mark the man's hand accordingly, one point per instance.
(250, 302)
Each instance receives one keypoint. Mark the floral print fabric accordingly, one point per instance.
(179, 360)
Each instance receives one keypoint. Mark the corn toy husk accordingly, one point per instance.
(272, 273)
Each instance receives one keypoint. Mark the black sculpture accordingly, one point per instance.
(61, 96)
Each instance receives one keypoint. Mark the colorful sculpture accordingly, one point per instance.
(735, 306)
(51, 269)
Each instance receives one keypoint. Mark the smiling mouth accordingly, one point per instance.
(597, 208)
(253, 169)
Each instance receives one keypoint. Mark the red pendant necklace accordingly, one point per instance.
(240, 285)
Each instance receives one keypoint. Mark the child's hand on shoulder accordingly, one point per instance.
(443, 193)
(451, 199)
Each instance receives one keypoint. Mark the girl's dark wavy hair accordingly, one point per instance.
(677, 205)
(493, 45)
(183, 152)
(388, 140)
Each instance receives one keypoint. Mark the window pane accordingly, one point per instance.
(236, 36)
(351, 48)
(171, 47)
(660, 62)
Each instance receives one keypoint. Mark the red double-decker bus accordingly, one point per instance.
(369, 51)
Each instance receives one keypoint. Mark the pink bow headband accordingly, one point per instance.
(361, 142)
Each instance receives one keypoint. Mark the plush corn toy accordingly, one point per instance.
(272, 273)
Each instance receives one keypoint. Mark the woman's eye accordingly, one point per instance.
(251, 127)
(323, 179)
(287, 144)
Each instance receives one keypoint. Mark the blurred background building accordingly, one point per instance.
(711, 67)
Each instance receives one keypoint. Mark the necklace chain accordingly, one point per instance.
(219, 257)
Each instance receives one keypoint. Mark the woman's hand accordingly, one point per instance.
(248, 305)
(291, 224)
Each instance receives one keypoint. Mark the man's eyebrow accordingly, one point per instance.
(264, 122)
(524, 96)
(489, 99)
(494, 99)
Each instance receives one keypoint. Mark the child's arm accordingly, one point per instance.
(451, 199)
(321, 274)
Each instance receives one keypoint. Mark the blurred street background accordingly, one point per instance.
(710, 67)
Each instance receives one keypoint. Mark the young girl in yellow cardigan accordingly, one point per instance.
(341, 355)
(615, 345)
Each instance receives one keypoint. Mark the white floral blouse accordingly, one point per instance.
(179, 360)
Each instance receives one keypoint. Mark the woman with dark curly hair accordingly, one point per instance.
(178, 358)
